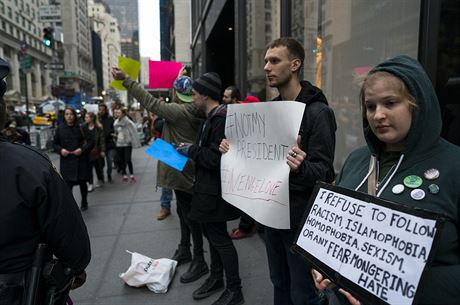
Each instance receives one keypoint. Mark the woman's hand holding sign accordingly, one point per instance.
(322, 283)
(349, 297)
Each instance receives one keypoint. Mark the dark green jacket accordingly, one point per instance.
(181, 125)
(424, 150)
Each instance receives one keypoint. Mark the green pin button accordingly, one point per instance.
(413, 181)
(433, 188)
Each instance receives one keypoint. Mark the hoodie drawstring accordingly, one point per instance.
(372, 168)
(391, 176)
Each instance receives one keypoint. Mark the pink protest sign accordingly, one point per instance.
(163, 73)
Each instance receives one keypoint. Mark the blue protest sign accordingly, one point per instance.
(167, 154)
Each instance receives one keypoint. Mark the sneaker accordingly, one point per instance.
(90, 188)
(125, 178)
(238, 234)
(164, 212)
(209, 287)
(229, 297)
(133, 179)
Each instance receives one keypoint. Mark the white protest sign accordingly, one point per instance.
(382, 250)
(254, 172)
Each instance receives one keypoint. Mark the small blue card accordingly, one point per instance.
(167, 154)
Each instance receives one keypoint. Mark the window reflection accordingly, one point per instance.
(343, 40)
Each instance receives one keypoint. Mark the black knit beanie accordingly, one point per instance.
(209, 84)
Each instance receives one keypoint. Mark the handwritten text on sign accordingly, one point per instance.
(382, 250)
(255, 175)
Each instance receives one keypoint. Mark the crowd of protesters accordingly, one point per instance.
(395, 96)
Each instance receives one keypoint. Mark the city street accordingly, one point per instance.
(123, 217)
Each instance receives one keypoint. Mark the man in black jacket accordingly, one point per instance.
(310, 161)
(36, 207)
(207, 207)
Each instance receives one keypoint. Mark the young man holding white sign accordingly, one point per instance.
(310, 161)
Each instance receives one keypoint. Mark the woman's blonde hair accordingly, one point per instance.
(397, 84)
(94, 119)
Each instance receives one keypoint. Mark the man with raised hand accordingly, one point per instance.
(181, 123)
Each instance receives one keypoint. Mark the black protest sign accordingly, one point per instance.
(376, 249)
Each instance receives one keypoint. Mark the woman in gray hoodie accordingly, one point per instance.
(126, 140)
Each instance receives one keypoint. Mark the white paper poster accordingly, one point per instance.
(254, 172)
(382, 250)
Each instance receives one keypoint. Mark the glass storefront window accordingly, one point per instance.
(343, 40)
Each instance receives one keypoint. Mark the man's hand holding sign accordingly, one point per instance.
(375, 249)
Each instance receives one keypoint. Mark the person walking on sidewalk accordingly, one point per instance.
(107, 126)
(95, 131)
(127, 139)
(181, 123)
(208, 206)
(73, 145)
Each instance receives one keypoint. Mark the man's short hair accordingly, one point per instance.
(295, 49)
(236, 94)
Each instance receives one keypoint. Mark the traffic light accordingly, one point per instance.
(48, 37)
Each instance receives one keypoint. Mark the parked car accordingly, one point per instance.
(47, 118)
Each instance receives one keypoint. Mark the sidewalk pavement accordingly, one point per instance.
(122, 216)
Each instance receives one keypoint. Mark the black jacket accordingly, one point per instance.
(37, 206)
(207, 202)
(74, 168)
(107, 124)
(318, 141)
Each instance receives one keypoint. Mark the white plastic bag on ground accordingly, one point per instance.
(156, 274)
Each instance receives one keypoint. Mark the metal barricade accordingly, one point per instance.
(42, 137)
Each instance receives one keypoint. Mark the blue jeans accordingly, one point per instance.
(290, 274)
(166, 197)
(109, 156)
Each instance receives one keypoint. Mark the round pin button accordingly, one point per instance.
(398, 189)
(417, 194)
(431, 174)
(433, 189)
(413, 181)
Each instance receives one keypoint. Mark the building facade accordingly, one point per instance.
(342, 39)
(166, 28)
(106, 26)
(126, 12)
(79, 74)
(182, 32)
(21, 37)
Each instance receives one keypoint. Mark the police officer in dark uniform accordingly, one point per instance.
(36, 206)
